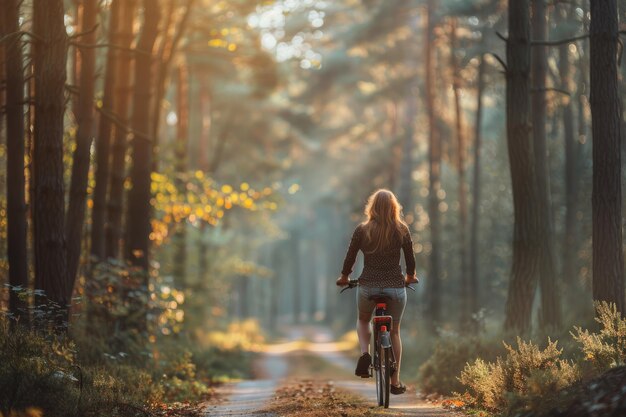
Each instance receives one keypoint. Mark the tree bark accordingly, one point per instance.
(465, 310)
(117, 175)
(608, 259)
(3, 58)
(49, 60)
(550, 314)
(405, 181)
(475, 225)
(182, 139)
(74, 56)
(526, 240)
(295, 274)
(16, 191)
(166, 54)
(139, 211)
(84, 136)
(569, 272)
(406, 164)
(391, 110)
(103, 140)
(434, 171)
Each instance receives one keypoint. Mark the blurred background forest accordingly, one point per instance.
(181, 177)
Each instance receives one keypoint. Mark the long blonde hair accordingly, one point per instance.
(384, 220)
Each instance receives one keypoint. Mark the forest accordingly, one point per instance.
(181, 178)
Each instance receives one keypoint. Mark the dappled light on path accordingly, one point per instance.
(243, 398)
(288, 347)
(310, 353)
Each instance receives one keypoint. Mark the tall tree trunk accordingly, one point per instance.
(84, 136)
(103, 140)
(584, 142)
(74, 56)
(526, 242)
(139, 212)
(16, 198)
(394, 148)
(3, 58)
(49, 59)
(166, 54)
(408, 144)
(550, 314)
(117, 175)
(203, 165)
(475, 226)
(433, 293)
(138, 225)
(466, 312)
(406, 164)
(202, 160)
(608, 258)
(182, 138)
(569, 272)
(161, 76)
(295, 272)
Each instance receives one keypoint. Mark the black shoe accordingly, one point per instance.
(363, 366)
(397, 389)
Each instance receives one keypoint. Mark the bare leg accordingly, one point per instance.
(364, 332)
(396, 343)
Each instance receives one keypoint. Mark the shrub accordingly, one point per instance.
(439, 374)
(484, 382)
(606, 349)
(526, 372)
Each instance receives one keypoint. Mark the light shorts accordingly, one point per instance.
(395, 303)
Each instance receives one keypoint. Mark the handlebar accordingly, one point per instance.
(355, 282)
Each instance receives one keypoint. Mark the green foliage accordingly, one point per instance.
(606, 349)
(42, 373)
(83, 375)
(525, 373)
(223, 364)
(439, 374)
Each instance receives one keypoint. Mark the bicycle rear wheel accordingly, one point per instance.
(385, 366)
(380, 386)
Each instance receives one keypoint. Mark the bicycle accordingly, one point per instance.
(383, 360)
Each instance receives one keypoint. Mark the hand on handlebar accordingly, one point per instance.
(411, 279)
(343, 281)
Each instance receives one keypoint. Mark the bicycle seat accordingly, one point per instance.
(380, 299)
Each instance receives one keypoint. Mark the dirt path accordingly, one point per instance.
(245, 397)
(408, 404)
(310, 353)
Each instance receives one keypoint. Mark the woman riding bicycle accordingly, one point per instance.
(380, 238)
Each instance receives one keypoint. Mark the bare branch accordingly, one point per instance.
(78, 35)
(110, 45)
(122, 124)
(560, 41)
(499, 60)
(72, 89)
(567, 40)
(18, 35)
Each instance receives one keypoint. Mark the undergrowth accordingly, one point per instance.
(528, 377)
